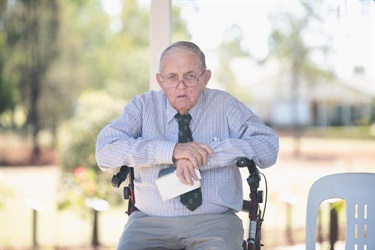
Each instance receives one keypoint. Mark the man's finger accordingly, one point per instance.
(188, 179)
(208, 150)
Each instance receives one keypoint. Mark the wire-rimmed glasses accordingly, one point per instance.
(189, 79)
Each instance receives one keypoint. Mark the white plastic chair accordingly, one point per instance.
(358, 191)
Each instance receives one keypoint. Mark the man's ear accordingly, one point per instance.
(207, 76)
(159, 80)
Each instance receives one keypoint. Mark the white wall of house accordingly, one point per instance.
(321, 104)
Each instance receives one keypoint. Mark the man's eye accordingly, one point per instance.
(190, 76)
(171, 77)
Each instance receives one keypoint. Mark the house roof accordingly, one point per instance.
(270, 81)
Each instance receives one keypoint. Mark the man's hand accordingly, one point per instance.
(196, 153)
(190, 156)
(185, 171)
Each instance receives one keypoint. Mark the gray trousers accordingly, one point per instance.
(209, 231)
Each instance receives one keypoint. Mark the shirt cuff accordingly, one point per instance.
(166, 152)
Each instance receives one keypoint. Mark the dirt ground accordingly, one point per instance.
(22, 156)
(288, 184)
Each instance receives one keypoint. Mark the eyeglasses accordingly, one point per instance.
(189, 79)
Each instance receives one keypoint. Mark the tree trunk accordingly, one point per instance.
(34, 115)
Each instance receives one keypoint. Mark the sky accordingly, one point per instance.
(352, 29)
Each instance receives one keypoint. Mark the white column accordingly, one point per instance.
(160, 35)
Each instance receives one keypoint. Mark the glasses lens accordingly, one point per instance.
(189, 79)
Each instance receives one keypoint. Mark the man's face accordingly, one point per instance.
(179, 63)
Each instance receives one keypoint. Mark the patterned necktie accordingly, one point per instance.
(193, 199)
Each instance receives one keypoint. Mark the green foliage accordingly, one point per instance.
(372, 114)
(289, 43)
(228, 49)
(179, 26)
(8, 94)
(71, 51)
(31, 29)
(81, 176)
(77, 136)
(76, 49)
(114, 64)
(81, 185)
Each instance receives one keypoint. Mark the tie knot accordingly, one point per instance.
(183, 119)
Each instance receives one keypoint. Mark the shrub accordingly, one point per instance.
(81, 178)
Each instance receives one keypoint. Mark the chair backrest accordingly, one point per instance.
(358, 191)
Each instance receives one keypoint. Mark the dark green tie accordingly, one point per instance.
(193, 199)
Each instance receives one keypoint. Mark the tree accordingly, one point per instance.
(120, 71)
(31, 28)
(179, 26)
(52, 50)
(8, 94)
(289, 44)
(228, 49)
(82, 38)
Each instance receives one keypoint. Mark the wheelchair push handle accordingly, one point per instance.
(245, 162)
(254, 177)
(121, 176)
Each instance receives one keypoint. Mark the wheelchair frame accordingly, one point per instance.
(256, 216)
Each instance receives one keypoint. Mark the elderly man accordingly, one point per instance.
(190, 127)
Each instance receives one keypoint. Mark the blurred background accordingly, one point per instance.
(68, 67)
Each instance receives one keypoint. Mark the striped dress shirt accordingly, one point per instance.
(145, 134)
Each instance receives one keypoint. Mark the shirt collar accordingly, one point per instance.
(171, 112)
(198, 108)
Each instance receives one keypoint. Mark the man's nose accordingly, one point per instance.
(183, 84)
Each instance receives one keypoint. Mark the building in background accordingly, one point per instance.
(337, 102)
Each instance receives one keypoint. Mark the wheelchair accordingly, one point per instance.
(252, 206)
